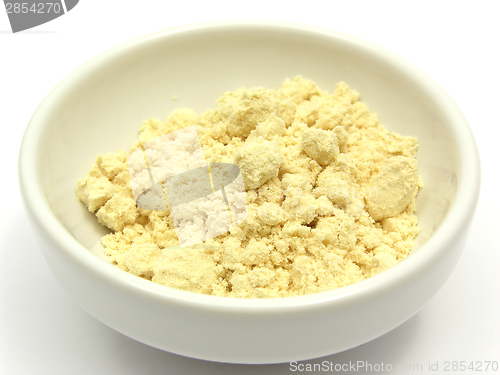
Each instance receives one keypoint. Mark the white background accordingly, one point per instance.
(42, 331)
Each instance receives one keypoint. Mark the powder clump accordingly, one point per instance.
(330, 196)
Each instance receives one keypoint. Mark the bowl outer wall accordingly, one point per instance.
(249, 331)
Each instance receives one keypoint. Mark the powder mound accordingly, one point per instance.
(320, 145)
(259, 161)
(325, 198)
(393, 188)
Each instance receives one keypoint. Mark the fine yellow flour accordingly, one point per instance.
(330, 196)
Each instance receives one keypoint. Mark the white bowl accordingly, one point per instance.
(99, 107)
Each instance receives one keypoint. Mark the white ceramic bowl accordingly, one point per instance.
(99, 107)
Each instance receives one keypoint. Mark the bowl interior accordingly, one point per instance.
(100, 107)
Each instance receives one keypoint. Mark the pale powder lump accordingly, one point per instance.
(330, 196)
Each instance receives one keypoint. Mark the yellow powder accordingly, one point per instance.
(330, 196)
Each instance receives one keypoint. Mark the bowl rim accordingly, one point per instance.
(456, 221)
